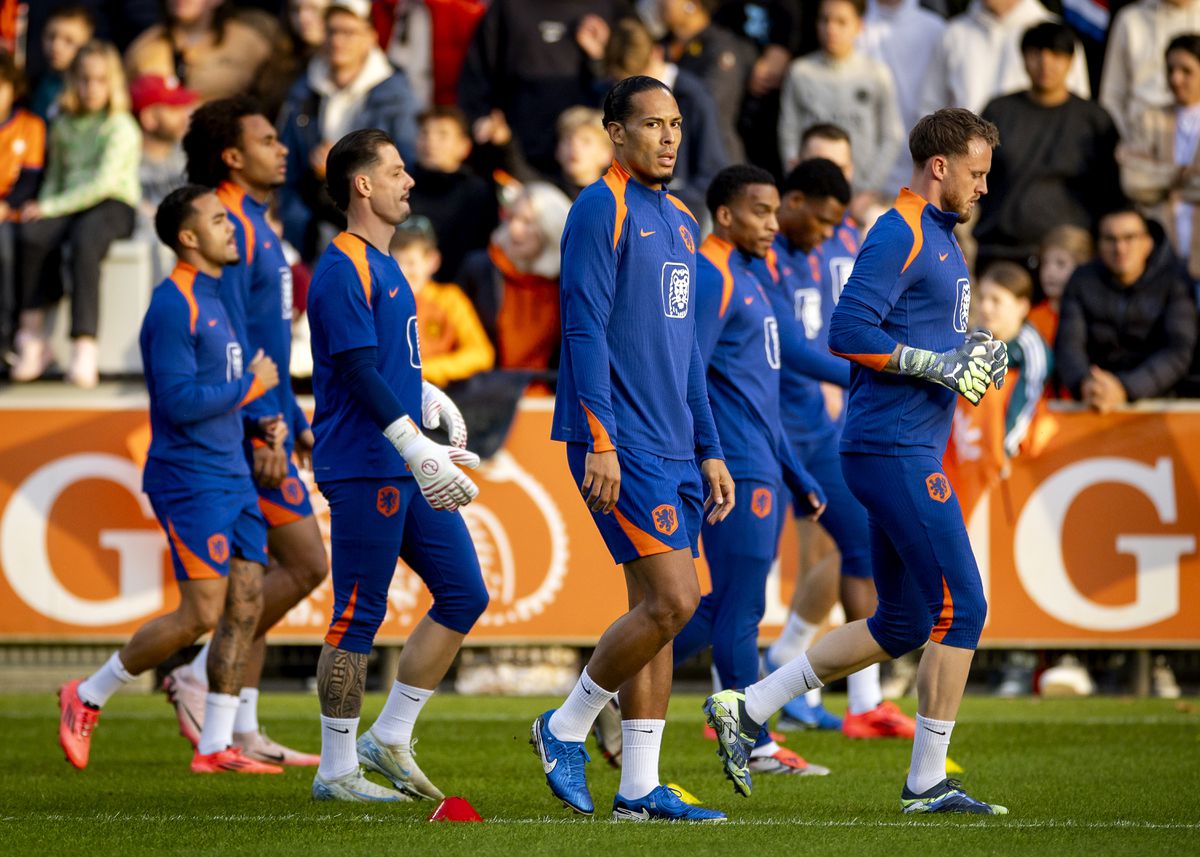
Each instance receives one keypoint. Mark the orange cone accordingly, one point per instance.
(455, 809)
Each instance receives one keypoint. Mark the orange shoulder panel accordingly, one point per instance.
(617, 180)
(678, 203)
(718, 250)
(233, 198)
(910, 206)
(356, 252)
(184, 278)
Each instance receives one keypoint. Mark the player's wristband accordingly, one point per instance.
(402, 433)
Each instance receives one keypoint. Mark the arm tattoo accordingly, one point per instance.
(341, 680)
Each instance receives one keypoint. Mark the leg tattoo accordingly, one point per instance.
(341, 680)
(235, 632)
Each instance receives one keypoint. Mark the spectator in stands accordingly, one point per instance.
(216, 49)
(461, 206)
(162, 106)
(1128, 323)
(349, 85)
(1056, 165)
(902, 34)
(454, 345)
(87, 201)
(720, 59)
(701, 155)
(584, 150)
(1132, 80)
(979, 56)
(1063, 250)
(514, 282)
(529, 61)
(429, 39)
(22, 155)
(1160, 158)
(838, 84)
(67, 30)
(306, 28)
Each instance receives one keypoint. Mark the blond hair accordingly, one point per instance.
(1072, 239)
(118, 90)
(580, 118)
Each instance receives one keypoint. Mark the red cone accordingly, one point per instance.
(455, 809)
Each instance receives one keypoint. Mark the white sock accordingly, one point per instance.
(200, 663)
(764, 698)
(930, 745)
(395, 723)
(813, 697)
(642, 740)
(104, 682)
(572, 721)
(247, 713)
(339, 756)
(768, 749)
(794, 640)
(220, 710)
(863, 687)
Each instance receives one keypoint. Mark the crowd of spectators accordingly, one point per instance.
(493, 106)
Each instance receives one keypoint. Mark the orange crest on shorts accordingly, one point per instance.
(387, 501)
(292, 490)
(218, 547)
(687, 238)
(760, 502)
(665, 519)
(938, 486)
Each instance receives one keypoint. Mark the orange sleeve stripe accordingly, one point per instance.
(871, 361)
(256, 391)
(233, 198)
(718, 251)
(644, 543)
(184, 277)
(193, 566)
(338, 629)
(617, 180)
(910, 206)
(275, 514)
(773, 264)
(601, 442)
(678, 203)
(946, 619)
(356, 252)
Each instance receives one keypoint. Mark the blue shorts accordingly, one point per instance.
(374, 522)
(844, 518)
(205, 528)
(287, 502)
(925, 571)
(659, 508)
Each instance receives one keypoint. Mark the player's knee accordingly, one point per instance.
(312, 572)
(898, 638)
(201, 616)
(461, 608)
(966, 627)
(670, 611)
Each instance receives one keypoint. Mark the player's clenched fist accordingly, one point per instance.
(435, 467)
(264, 369)
(967, 369)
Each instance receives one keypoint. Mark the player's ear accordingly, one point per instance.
(362, 184)
(232, 158)
(939, 166)
(616, 133)
(724, 216)
(188, 239)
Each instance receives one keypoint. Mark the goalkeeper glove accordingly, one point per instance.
(439, 411)
(967, 369)
(435, 467)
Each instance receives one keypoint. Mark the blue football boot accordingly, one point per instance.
(563, 762)
(662, 804)
(947, 796)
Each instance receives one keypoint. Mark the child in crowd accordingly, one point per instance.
(584, 151)
(454, 345)
(87, 201)
(1063, 250)
(67, 30)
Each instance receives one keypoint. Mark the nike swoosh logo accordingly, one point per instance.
(644, 815)
(748, 301)
(413, 698)
(392, 292)
(646, 234)
(588, 692)
(934, 731)
(548, 767)
(942, 257)
(335, 729)
(277, 758)
(212, 322)
(647, 731)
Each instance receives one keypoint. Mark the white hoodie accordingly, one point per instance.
(979, 58)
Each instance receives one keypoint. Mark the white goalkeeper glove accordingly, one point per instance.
(439, 411)
(967, 369)
(435, 467)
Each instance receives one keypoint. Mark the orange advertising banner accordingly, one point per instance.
(1093, 543)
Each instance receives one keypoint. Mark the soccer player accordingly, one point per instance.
(633, 409)
(199, 487)
(232, 147)
(910, 280)
(816, 194)
(392, 491)
(740, 345)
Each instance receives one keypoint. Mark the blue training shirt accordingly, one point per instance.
(834, 260)
(630, 373)
(258, 294)
(909, 286)
(359, 299)
(192, 359)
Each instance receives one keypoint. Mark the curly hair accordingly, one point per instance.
(215, 127)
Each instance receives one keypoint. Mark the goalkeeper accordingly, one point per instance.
(902, 321)
(371, 462)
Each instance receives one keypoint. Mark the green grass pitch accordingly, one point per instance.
(1096, 777)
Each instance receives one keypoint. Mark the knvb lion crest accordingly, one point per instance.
(665, 519)
(292, 491)
(387, 501)
(760, 502)
(218, 548)
(938, 486)
(676, 289)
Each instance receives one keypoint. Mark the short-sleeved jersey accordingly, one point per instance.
(909, 286)
(193, 362)
(739, 342)
(258, 295)
(358, 298)
(630, 372)
(22, 147)
(791, 279)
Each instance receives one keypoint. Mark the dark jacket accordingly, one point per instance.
(462, 209)
(303, 200)
(1144, 334)
(702, 153)
(722, 61)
